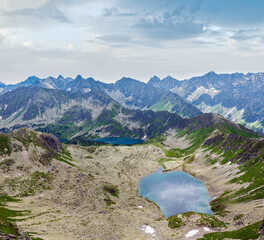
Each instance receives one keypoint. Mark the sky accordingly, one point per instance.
(109, 39)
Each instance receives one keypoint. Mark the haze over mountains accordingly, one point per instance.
(238, 97)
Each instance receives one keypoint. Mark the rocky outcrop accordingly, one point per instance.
(241, 148)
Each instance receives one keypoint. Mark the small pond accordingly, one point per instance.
(118, 140)
(175, 192)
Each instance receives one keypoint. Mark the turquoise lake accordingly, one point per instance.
(175, 192)
(118, 140)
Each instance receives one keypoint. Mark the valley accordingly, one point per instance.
(85, 189)
(92, 192)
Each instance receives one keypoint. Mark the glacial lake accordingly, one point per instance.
(175, 192)
(118, 140)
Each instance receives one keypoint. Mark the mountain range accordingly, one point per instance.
(238, 97)
(79, 116)
(44, 180)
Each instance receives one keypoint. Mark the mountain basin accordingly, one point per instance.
(175, 192)
(118, 140)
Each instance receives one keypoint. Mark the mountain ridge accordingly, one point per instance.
(237, 96)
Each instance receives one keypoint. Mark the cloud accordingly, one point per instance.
(46, 11)
(169, 26)
(245, 35)
(2, 38)
(115, 38)
(108, 12)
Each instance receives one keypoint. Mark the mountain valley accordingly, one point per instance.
(81, 189)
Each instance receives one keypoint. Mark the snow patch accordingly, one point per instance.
(148, 230)
(86, 90)
(1, 90)
(207, 229)
(118, 96)
(200, 91)
(69, 89)
(191, 233)
(140, 207)
(48, 85)
(230, 113)
(253, 125)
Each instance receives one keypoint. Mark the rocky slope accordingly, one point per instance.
(80, 116)
(236, 96)
(56, 191)
(128, 92)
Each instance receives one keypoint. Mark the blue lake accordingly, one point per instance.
(118, 140)
(175, 192)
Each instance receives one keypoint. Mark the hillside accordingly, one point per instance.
(79, 116)
(46, 185)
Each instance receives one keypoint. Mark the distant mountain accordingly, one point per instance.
(71, 115)
(134, 94)
(128, 92)
(54, 83)
(237, 96)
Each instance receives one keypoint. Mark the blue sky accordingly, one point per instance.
(108, 39)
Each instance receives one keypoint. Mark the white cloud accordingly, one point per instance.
(71, 47)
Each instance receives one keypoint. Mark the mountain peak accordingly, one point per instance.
(32, 78)
(154, 79)
(79, 77)
(211, 73)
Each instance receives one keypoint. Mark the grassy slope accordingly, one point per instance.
(243, 149)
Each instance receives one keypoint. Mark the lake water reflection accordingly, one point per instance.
(175, 192)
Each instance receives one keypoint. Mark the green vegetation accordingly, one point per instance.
(177, 153)
(200, 219)
(7, 216)
(66, 152)
(109, 201)
(65, 159)
(6, 164)
(218, 205)
(5, 147)
(249, 154)
(62, 131)
(38, 181)
(251, 173)
(210, 221)
(238, 217)
(161, 161)
(175, 222)
(157, 141)
(245, 233)
(162, 106)
(113, 190)
(26, 137)
(231, 129)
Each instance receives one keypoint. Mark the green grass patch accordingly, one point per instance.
(175, 222)
(7, 216)
(113, 190)
(65, 159)
(109, 201)
(245, 233)
(5, 147)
